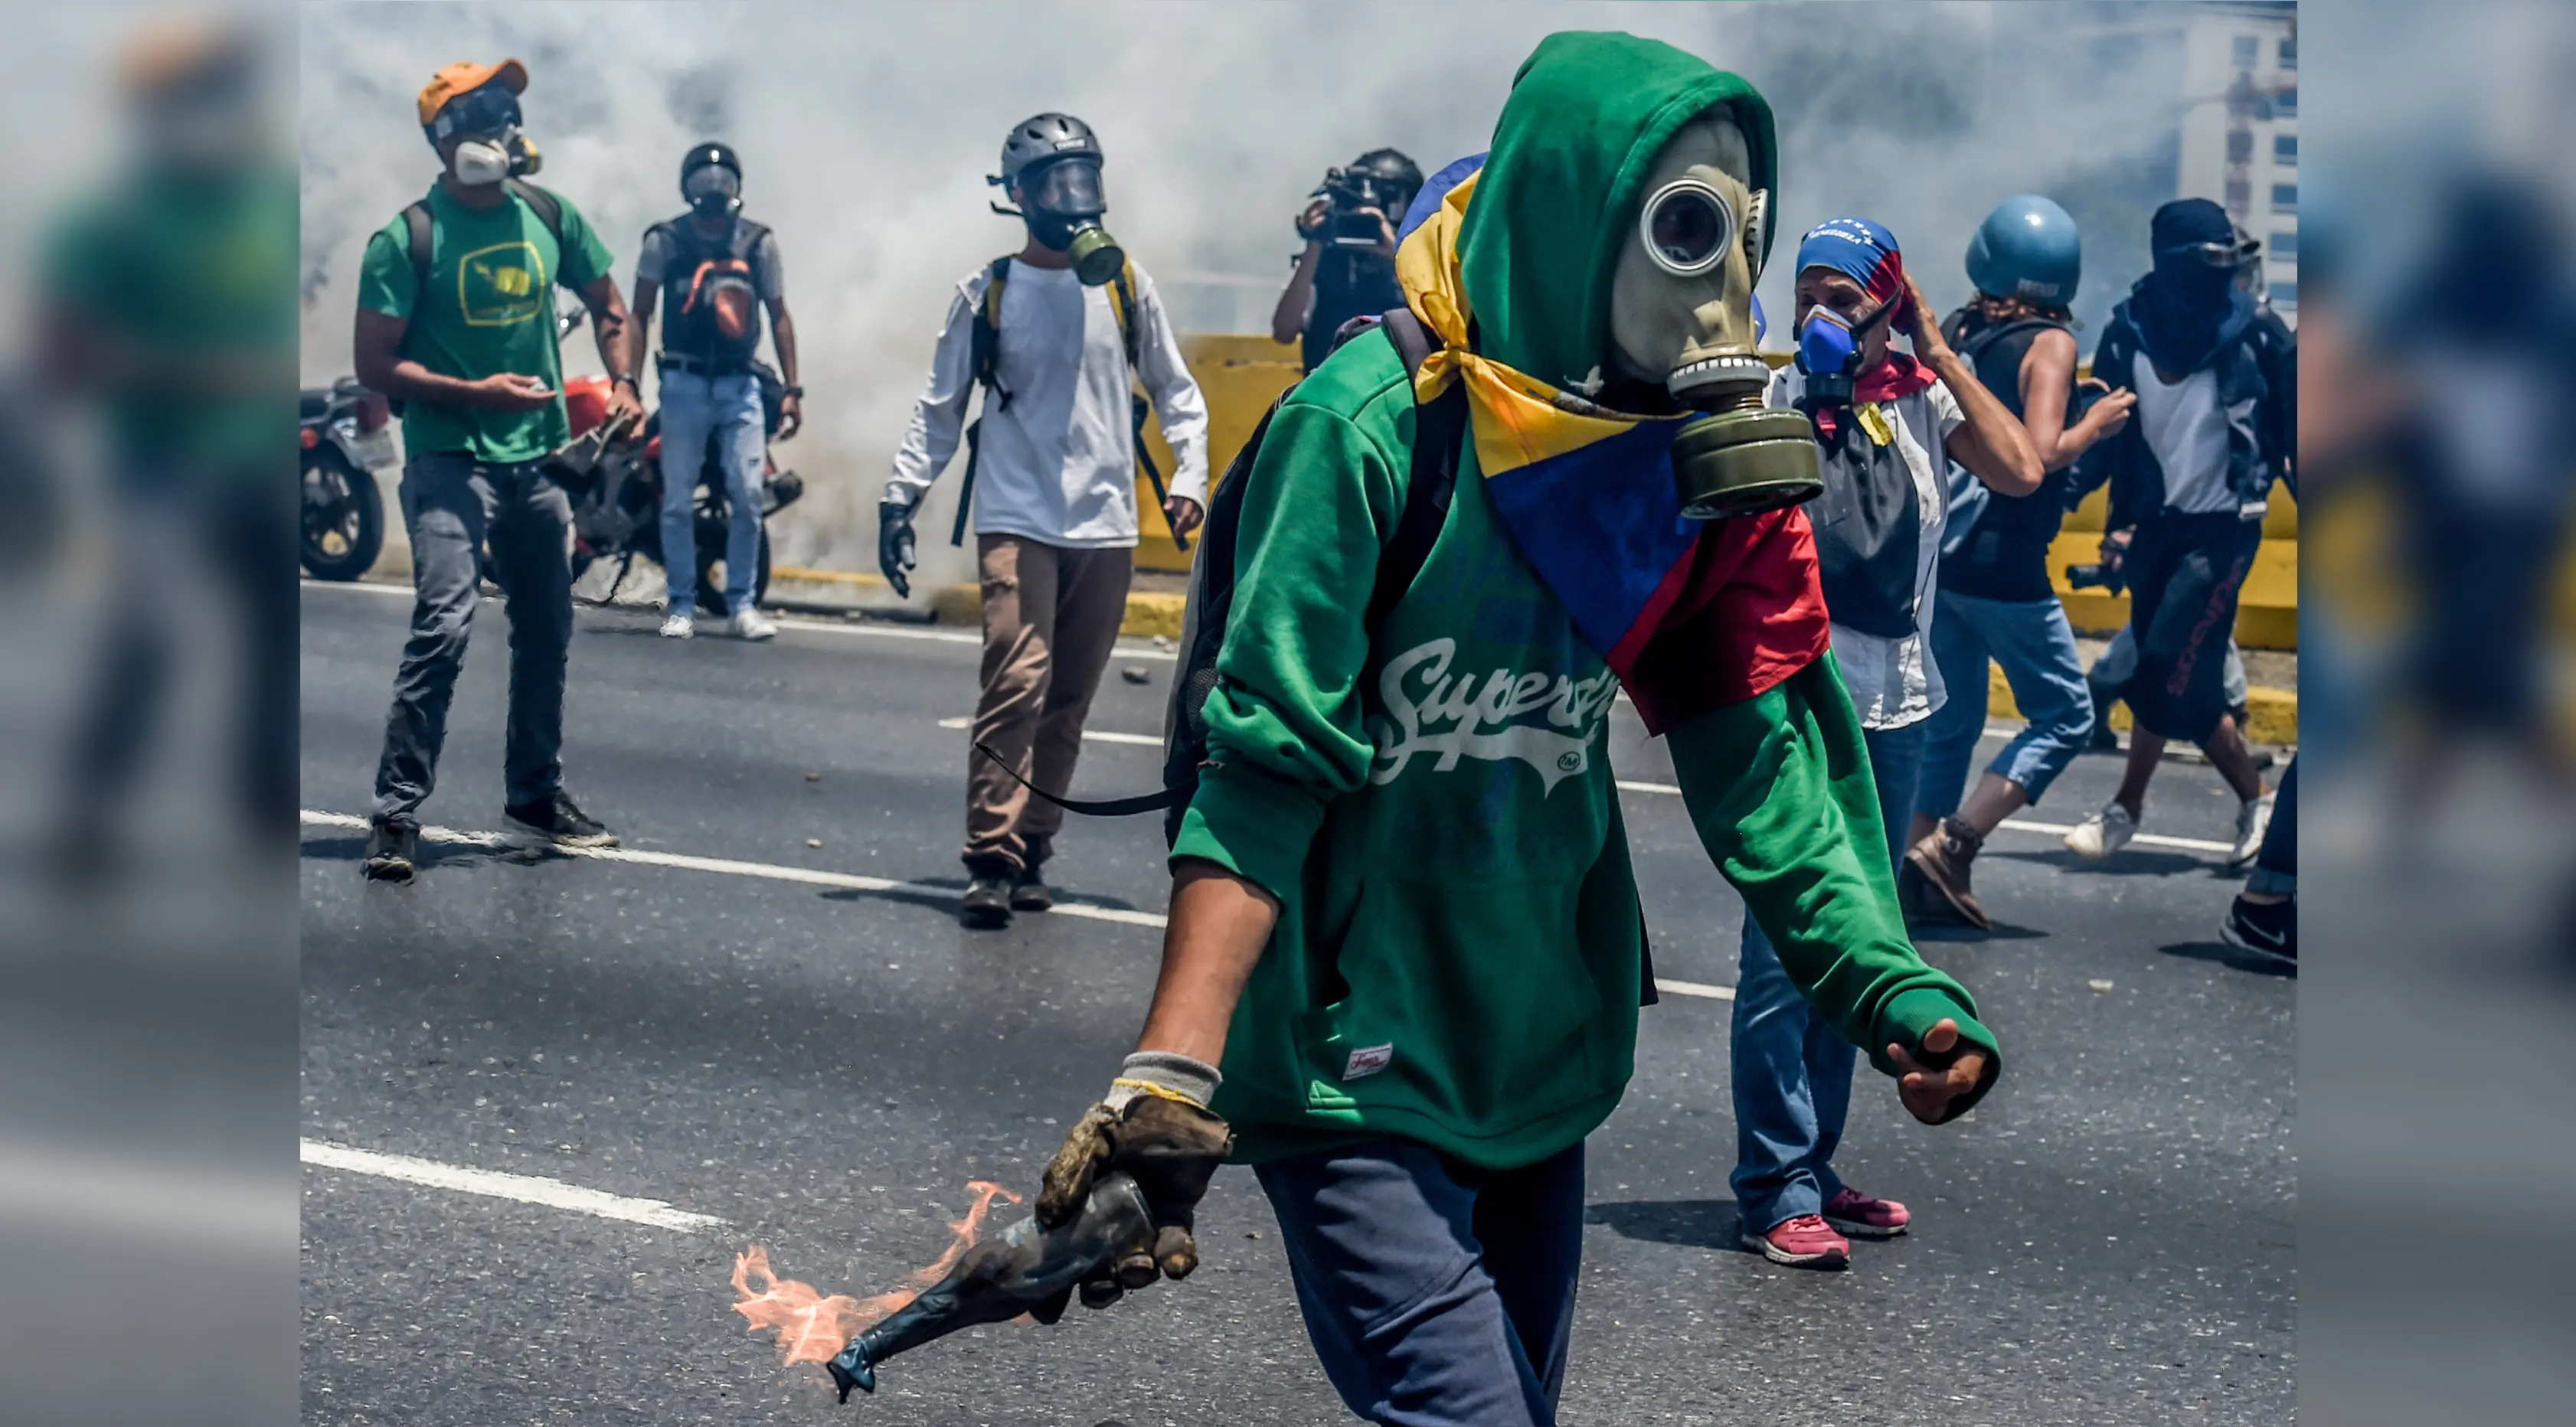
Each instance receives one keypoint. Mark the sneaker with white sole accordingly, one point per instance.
(2102, 834)
(1806, 1241)
(751, 624)
(2253, 820)
(679, 626)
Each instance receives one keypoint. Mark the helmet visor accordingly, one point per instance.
(710, 181)
(1068, 188)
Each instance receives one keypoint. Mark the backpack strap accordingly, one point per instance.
(1439, 429)
(988, 335)
(1122, 291)
(417, 241)
(549, 209)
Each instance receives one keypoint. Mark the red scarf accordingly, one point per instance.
(1897, 377)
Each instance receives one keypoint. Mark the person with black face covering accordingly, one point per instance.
(1058, 335)
(2193, 474)
(1347, 268)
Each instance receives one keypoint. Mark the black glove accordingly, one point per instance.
(894, 546)
(1156, 1128)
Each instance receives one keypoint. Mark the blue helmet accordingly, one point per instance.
(2027, 248)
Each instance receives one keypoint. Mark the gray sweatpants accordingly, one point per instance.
(453, 505)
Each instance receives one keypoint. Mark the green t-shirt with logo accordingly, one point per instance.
(488, 309)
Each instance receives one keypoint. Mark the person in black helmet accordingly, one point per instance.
(718, 269)
(1347, 269)
(1058, 335)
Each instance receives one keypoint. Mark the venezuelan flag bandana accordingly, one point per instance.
(1588, 497)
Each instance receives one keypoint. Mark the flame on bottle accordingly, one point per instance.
(811, 1327)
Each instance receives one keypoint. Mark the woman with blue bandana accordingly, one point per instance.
(1885, 422)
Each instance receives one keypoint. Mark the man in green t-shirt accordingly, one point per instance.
(462, 330)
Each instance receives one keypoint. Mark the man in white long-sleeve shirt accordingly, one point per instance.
(1053, 481)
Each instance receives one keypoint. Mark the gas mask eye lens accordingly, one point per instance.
(1686, 227)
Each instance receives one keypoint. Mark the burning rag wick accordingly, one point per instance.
(812, 1327)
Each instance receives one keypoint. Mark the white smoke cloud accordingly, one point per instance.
(866, 132)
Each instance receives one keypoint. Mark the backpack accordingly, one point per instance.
(1869, 532)
(419, 237)
(1438, 433)
(987, 344)
(713, 293)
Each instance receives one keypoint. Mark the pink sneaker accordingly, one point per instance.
(1865, 1216)
(1803, 1242)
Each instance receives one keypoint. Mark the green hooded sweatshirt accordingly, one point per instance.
(1458, 958)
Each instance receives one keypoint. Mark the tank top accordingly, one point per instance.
(2006, 554)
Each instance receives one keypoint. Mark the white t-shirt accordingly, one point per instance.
(1893, 682)
(1059, 464)
(2186, 429)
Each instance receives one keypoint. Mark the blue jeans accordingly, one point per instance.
(726, 409)
(2033, 642)
(1437, 1294)
(1792, 1076)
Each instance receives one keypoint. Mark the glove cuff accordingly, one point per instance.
(1168, 1074)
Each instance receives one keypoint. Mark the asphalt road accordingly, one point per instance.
(823, 1064)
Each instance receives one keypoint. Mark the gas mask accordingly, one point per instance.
(494, 147)
(1829, 352)
(1062, 204)
(1681, 316)
(712, 191)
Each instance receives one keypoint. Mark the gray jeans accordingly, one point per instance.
(454, 505)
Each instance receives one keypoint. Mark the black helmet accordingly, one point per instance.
(1390, 173)
(706, 155)
(1042, 140)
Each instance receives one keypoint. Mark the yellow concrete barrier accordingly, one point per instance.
(2272, 715)
(1149, 612)
(1240, 376)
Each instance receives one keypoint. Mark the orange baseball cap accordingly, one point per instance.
(457, 78)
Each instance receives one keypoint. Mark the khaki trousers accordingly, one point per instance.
(1051, 618)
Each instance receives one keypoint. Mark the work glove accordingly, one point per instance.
(1155, 1127)
(894, 546)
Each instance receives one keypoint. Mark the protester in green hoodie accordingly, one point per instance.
(1403, 917)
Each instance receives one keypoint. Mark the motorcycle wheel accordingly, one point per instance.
(712, 597)
(344, 518)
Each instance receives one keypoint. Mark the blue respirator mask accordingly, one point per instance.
(1829, 353)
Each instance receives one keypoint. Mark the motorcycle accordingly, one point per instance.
(346, 436)
(617, 492)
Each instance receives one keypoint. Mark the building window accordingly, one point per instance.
(2285, 198)
(2290, 52)
(2285, 150)
(2285, 294)
(2285, 244)
(2240, 146)
(2245, 49)
(2286, 103)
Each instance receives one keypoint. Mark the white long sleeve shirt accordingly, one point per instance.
(1058, 465)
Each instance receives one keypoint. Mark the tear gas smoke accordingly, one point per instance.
(866, 134)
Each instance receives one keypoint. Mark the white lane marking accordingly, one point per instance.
(880, 630)
(2151, 839)
(812, 877)
(1095, 735)
(809, 876)
(524, 1188)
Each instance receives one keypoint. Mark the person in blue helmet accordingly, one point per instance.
(1995, 599)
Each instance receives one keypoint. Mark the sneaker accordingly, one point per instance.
(2102, 834)
(987, 903)
(1030, 893)
(1865, 1216)
(2268, 929)
(393, 852)
(679, 626)
(2253, 819)
(751, 624)
(1804, 1242)
(1942, 860)
(560, 822)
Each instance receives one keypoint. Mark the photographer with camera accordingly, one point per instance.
(1348, 267)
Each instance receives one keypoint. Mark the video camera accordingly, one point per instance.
(1351, 191)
